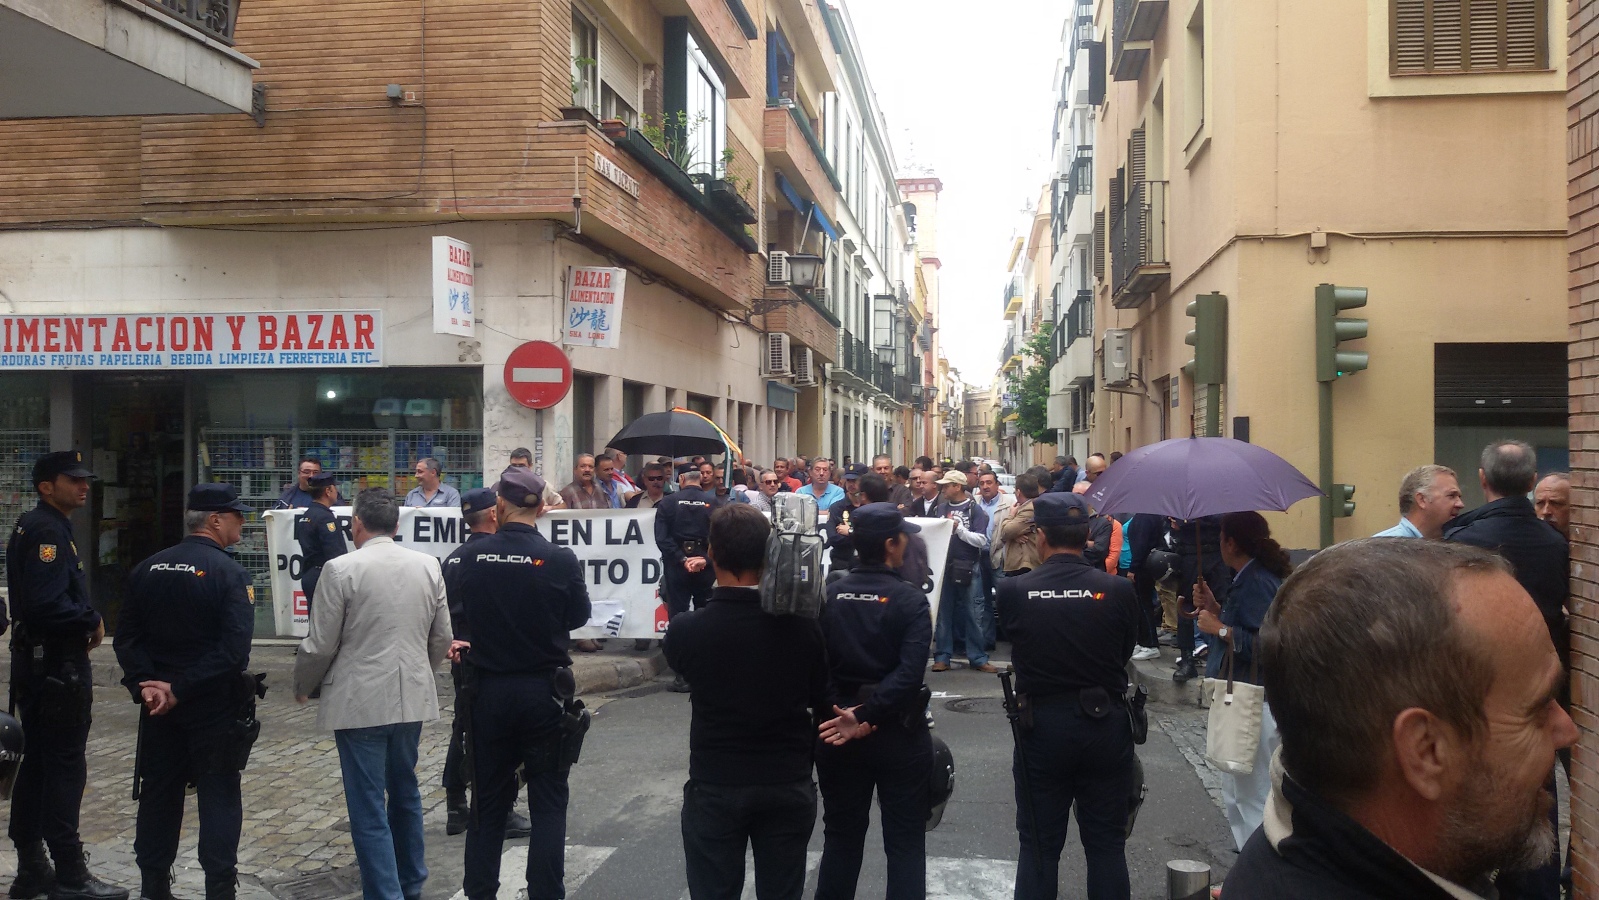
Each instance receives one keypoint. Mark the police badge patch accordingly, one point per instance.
(249, 593)
(331, 526)
(47, 553)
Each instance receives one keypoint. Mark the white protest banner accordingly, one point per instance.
(213, 340)
(453, 283)
(616, 547)
(594, 307)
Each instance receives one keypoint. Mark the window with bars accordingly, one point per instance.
(1429, 37)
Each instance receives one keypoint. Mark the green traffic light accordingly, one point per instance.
(1333, 363)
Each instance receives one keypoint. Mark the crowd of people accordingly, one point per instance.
(1414, 682)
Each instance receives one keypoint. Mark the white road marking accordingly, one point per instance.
(949, 878)
(581, 862)
(537, 374)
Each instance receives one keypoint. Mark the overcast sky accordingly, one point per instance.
(968, 95)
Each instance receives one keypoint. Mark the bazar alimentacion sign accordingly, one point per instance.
(229, 340)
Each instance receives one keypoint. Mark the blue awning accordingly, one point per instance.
(806, 206)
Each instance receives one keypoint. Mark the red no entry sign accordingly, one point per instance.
(538, 375)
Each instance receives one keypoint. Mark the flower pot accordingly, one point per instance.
(722, 195)
(615, 129)
(579, 114)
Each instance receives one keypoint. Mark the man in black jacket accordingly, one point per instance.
(759, 682)
(1509, 525)
(1414, 686)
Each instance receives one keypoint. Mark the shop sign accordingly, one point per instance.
(594, 306)
(453, 284)
(238, 340)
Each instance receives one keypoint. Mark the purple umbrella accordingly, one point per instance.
(1186, 478)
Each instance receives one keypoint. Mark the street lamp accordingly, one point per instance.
(805, 270)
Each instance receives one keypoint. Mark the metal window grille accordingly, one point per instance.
(17, 496)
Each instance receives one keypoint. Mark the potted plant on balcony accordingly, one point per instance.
(579, 110)
(615, 129)
(726, 193)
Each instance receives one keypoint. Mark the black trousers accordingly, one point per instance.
(895, 761)
(308, 580)
(50, 781)
(512, 717)
(177, 751)
(681, 588)
(1074, 760)
(721, 820)
(454, 755)
(1149, 609)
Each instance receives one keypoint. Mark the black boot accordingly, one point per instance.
(1186, 670)
(73, 881)
(35, 875)
(517, 825)
(155, 885)
(679, 685)
(459, 811)
(222, 888)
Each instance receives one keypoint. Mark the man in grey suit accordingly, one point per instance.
(379, 629)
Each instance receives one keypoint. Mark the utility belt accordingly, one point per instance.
(1094, 702)
(223, 746)
(556, 749)
(52, 682)
(911, 713)
(694, 547)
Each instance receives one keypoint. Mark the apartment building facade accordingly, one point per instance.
(920, 190)
(1259, 152)
(1029, 298)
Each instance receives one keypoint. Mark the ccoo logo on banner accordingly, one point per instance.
(616, 548)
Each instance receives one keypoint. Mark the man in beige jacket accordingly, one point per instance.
(379, 629)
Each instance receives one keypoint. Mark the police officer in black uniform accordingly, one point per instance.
(522, 596)
(319, 534)
(682, 524)
(55, 628)
(183, 640)
(837, 529)
(1072, 628)
(878, 628)
(478, 510)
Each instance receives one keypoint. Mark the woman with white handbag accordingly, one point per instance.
(1242, 734)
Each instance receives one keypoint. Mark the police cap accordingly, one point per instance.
(520, 487)
(855, 470)
(686, 468)
(64, 462)
(321, 480)
(1060, 509)
(879, 521)
(217, 498)
(477, 500)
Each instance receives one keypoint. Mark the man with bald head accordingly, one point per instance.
(1415, 691)
(1552, 501)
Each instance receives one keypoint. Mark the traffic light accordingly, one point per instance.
(1209, 338)
(1332, 331)
(1343, 501)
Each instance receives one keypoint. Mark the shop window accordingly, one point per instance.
(634, 396)
(24, 437)
(583, 414)
(701, 404)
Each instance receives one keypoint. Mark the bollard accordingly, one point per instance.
(1187, 880)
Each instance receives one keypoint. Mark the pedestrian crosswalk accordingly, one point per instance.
(948, 878)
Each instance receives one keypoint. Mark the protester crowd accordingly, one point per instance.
(1414, 699)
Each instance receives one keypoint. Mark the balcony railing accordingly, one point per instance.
(1082, 28)
(215, 18)
(1013, 295)
(1080, 318)
(1139, 261)
(1081, 179)
(1008, 349)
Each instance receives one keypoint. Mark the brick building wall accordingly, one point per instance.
(1583, 196)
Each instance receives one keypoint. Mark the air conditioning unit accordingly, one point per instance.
(819, 296)
(1118, 355)
(776, 362)
(777, 271)
(804, 368)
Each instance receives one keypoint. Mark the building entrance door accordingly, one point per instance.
(140, 455)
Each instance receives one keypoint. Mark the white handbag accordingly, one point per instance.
(1233, 732)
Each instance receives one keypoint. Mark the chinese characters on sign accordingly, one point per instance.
(453, 306)
(222, 340)
(594, 307)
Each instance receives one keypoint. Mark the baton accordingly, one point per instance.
(465, 694)
(138, 749)
(1014, 714)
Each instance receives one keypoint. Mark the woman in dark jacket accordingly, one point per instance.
(1259, 565)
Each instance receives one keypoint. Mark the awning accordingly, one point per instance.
(806, 206)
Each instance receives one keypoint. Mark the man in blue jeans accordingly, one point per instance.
(961, 601)
(379, 629)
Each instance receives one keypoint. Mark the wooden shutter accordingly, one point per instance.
(1135, 156)
(1445, 36)
(620, 70)
(1117, 194)
(1454, 36)
(1099, 245)
(1408, 31)
(1526, 34)
(1486, 34)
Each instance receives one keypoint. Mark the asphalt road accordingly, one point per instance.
(624, 842)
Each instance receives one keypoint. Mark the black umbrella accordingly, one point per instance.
(676, 433)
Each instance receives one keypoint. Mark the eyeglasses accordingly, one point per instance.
(655, 478)
(769, 481)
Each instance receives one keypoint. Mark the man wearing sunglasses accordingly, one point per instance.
(769, 485)
(653, 481)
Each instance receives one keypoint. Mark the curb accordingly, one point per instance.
(1155, 675)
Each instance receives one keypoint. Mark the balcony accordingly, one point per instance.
(1139, 260)
(1078, 340)
(794, 149)
(858, 363)
(1080, 177)
(784, 310)
(1010, 354)
(1133, 28)
(1013, 296)
(121, 58)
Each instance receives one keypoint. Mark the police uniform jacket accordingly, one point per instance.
(452, 587)
(49, 596)
(188, 619)
(319, 536)
(841, 545)
(522, 596)
(877, 627)
(684, 516)
(1072, 626)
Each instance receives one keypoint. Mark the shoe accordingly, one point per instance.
(642, 645)
(990, 668)
(1201, 650)
(941, 667)
(679, 686)
(1185, 671)
(35, 875)
(460, 811)
(517, 825)
(155, 885)
(588, 645)
(225, 887)
(1167, 639)
(73, 881)
(1143, 653)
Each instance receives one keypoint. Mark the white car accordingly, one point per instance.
(1007, 483)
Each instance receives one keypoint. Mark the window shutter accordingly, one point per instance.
(1135, 156)
(1526, 34)
(1445, 36)
(620, 70)
(1448, 25)
(1117, 195)
(1099, 245)
(1409, 30)
(1486, 34)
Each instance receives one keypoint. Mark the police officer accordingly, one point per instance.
(837, 529)
(183, 640)
(682, 524)
(478, 510)
(522, 595)
(55, 628)
(878, 628)
(319, 535)
(1073, 628)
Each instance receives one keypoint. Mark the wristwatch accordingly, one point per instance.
(1224, 632)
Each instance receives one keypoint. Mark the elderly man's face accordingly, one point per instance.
(655, 481)
(584, 469)
(425, 476)
(821, 472)
(1094, 467)
(884, 467)
(988, 486)
(1438, 505)
(1553, 500)
(1497, 811)
(925, 484)
(769, 483)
